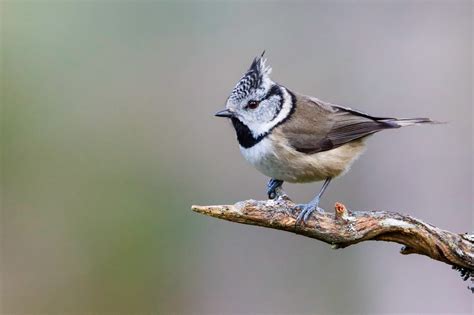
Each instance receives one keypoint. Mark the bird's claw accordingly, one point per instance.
(272, 188)
(306, 211)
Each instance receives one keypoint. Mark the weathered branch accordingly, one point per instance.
(344, 228)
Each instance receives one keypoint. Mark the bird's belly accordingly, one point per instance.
(278, 160)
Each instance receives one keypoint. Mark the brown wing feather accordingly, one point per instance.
(317, 126)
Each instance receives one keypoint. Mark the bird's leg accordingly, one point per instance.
(307, 209)
(272, 187)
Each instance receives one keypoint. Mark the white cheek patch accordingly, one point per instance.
(259, 129)
(268, 109)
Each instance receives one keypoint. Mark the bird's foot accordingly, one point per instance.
(306, 211)
(274, 188)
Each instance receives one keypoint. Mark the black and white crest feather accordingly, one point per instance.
(252, 80)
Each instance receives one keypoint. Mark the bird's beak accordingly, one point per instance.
(224, 113)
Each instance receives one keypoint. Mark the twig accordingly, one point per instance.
(345, 228)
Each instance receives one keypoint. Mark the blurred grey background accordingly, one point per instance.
(108, 137)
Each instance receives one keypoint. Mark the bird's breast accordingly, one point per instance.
(259, 155)
(275, 158)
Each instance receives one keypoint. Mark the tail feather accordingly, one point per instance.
(397, 123)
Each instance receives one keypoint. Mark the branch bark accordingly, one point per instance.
(344, 228)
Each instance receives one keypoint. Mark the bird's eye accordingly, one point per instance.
(252, 104)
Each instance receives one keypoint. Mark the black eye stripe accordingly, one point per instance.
(274, 90)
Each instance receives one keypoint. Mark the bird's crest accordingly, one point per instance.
(258, 66)
(255, 77)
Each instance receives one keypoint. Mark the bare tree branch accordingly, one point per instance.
(345, 228)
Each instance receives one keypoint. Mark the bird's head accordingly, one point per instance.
(256, 101)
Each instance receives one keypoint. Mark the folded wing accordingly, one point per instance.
(318, 126)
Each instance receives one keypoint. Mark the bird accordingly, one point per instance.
(295, 138)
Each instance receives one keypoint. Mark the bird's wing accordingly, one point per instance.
(317, 126)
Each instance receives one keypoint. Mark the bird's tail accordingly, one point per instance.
(402, 122)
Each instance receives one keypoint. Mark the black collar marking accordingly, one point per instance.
(245, 136)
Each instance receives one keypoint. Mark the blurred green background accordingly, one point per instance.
(108, 137)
